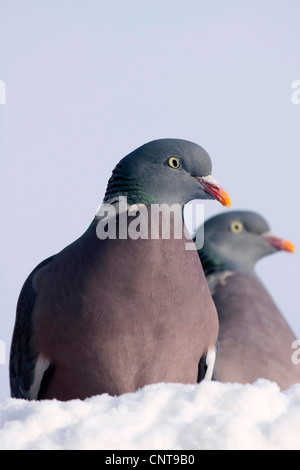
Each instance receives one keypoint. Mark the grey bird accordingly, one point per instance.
(255, 340)
(119, 309)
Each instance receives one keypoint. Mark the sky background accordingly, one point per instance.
(89, 81)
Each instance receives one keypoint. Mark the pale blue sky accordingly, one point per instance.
(89, 81)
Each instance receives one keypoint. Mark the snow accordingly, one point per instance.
(210, 415)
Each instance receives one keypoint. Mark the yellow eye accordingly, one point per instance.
(236, 226)
(174, 162)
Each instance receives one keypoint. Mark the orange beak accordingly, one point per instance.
(212, 187)
(279, 243)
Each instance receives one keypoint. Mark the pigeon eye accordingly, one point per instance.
(174, 162)
(236, 227)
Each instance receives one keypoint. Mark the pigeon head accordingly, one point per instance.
(165, 171)
(235, 241)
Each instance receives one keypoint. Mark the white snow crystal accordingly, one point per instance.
(210, 415)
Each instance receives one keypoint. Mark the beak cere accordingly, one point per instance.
(212, 187)
(279, 243)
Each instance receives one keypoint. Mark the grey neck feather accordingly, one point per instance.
(213, 264)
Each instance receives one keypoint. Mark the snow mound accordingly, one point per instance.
(210, 415)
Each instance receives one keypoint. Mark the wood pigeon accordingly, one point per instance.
(119, 308)
(255, 341)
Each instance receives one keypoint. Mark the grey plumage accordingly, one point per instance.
(255, 341)
(112, 315)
